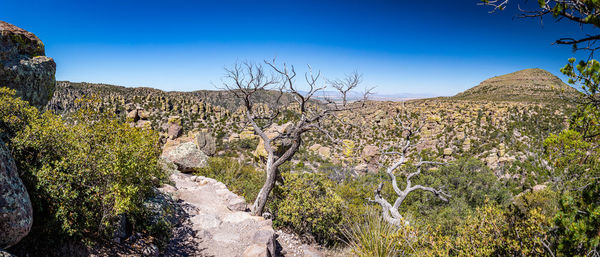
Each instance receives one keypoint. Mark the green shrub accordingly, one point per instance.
(15, 113)
(308, 205)
(83, 173)
(578, 221)
(241, 179)
(371, 236)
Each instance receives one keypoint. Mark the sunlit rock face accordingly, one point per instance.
(24, 66)
(16, 215)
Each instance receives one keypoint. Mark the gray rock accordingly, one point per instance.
(174, 130)
(163, 208)
(207, 143)
(133, 115)
(206, 221)
(265, 237)
(16, 215)
(256, 251)
(120, 226)
(24, 67)
(187, 157)
(309, 251)
(237, 204)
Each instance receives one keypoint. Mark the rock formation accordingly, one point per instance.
(206, 143)
(186, 156)
(24, 66)
(16, 215)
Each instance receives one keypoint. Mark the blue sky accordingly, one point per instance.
(438, 47)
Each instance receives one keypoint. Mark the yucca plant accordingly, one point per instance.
(372, 236)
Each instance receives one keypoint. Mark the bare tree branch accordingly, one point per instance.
(246, 81)
(390, 212)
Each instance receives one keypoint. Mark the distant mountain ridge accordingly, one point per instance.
(67, 92)
(356, 95)
(529, 85)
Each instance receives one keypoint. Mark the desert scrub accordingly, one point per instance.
(83, 173)
(371, 236)
(241, 179)
(308, 204)
(15, 113)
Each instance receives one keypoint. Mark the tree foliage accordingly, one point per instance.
(81, 173)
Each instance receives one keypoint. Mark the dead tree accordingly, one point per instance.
(247, 81)
(390, 212)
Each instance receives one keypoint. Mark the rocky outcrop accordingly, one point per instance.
(206, 142)
(24, 66)
(16, 215)
(138, 118)
(174, 129)
(186, 156)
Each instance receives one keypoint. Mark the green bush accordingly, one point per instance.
(83, 173)
(468, 181)
(15, 114)
(241, 179)
(371, 236)
(308, 205)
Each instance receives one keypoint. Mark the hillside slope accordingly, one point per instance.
(529, 85)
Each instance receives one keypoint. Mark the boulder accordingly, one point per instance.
(24, 66)
(16, 215)
(144, 115)
(314, 148)
(265, 237)
(370, 153)
(309, 251)
(539, 187)
(256, 250)
(361, 168)
(133, 116)
(206, 143)
(186, 156)
(325, 152)
(501, 149)
(174, 130)
(448, 151)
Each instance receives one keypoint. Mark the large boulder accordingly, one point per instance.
(16, 214)
(186, 156)
(370, 153)
(175, 129)
(24, 66)
(206, 143)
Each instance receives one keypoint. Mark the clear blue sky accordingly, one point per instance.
(438, 47)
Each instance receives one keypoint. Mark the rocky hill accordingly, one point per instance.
(147, 106)
(497, 121)
(529, 85)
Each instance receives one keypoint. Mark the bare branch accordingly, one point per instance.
(390, 212)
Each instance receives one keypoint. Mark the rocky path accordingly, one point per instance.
(215, 222)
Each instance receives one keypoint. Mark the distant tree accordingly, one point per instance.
(410, 130)
(248, 81)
